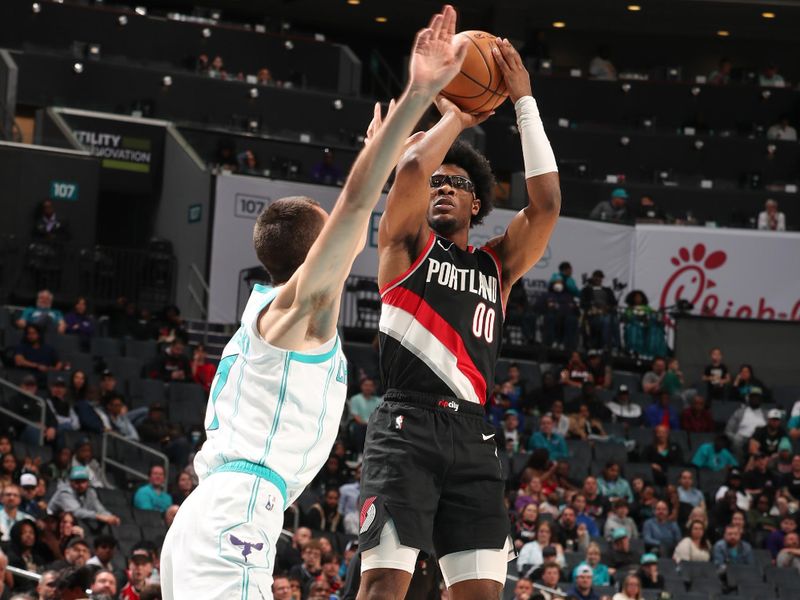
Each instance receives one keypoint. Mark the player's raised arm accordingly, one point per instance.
(526, 237)
(317, 284)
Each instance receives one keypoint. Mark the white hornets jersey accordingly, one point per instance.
(277, 409)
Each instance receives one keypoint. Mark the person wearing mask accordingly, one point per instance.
(561, 313)
(564, 274)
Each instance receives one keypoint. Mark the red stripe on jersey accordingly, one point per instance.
(498, 265)
(426, 316)
(413, 267)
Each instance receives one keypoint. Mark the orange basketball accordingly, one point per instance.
(480, 86)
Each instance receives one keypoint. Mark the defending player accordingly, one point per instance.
(431, 479)
(279, 392)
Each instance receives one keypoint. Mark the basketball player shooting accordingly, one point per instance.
(431, 479)
(280, 387)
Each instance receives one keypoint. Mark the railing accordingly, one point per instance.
(141, 474)
(23, 573)
(200, 301)
(384, 82)
(7, 385)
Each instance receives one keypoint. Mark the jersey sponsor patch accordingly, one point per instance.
(368, 512)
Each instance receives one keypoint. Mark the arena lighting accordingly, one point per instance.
(122, 20)
(768, 15)
(624, 140)
(36, 8)
(206, 33)
(288, 44)
(626, 87)
(559, 24)
(698, 144)
(723, 33)
(78, 67)
(166, 80)
(216, 15)
(634, 7)
(141, 11)
(695, 91)
(381, 19)
(766, 94)
(254, 93)
(354, 2)
(338, 104)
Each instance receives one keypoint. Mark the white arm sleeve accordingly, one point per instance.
(536, 151)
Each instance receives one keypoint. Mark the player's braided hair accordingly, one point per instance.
(463, 154)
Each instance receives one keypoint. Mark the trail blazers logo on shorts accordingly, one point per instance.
(368, 512)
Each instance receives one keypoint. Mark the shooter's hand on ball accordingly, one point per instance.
(518, 80)
(465, 119)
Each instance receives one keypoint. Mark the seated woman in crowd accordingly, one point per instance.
(612, 485)
(526, 525)
(631, 589)
(745, 380)
(583, 427)
(695, 547)
(530, 556)
(601, 574)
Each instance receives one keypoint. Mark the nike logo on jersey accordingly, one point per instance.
(441, 245)
(487, 437)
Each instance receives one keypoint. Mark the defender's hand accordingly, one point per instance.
(436, 58)
(518, 80)
(377, 122)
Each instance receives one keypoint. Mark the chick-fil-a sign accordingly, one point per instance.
(722, 272)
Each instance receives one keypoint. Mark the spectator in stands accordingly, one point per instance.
(769, 436)
(326, 171)
(564, 274)
(27, 407)
(599, 305)
(732, 550)
(619, 519)
(59, 468)
(79, 322)
(11, 515)
(744, 383)
(696, 418)
(48, 226)
(289, 555)
(576, 373)
(775, 540)
(716, 376)
(652, 380)
(660, 531)
(46, 588)
(631, 589)
(662, 454)
(84, 457)
(638, 318)
(621, 557)
(202, 371)
(550, 577)
(362, 406)
(26, 552)
(172, 365)
(715, 455)
(348, 502)
(330, 573)
(623, 410)
(311, 567)
(57, 402)
(771, 219)
(117, 416)
(600, 370)
(789, 556)
(247, 163)
(615, 210)
(733, 487)
(155, 429)
(325, 515)
(648, 212)
(582, 517)
(108, 385)
(76, 553)
(79, 388)
(104, 548)
(743, 423)
(264, 77)
(602, 69)
(660, 412)
(9, 469)
(582, 588)
(757, 476)
(612, 485)
(722, 75)
(561, 313)
(281, 590)
(583, 427)
(601, 575)
(771, 78)
(216, 69)
(35, 356)
(672, 382)
(184, 484)
(695, 547)
(31, 504)
(560, 420)
(508, 435)
(526, 525)
(104, 582)
(531, 557)
(80, 499)
(687, 493)
(597, 505)
(43, 315)
(140, 568)
(648, 572)
(567, 529)
(153, 495)
(551, 391)
(782, 130)
(547, 439)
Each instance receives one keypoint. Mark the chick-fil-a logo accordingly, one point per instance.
(693, 279)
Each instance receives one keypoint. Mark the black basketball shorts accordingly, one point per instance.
(431, 465)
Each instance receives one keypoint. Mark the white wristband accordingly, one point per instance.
(536, 151)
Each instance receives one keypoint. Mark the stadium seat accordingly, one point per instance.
(80, 362)
(144, 350)
(153, 390)
(638, 469)
(518, 463)
(789, 592)
(66, 344)
(681, 438)
(674, 473)
(708, 584)
(632, 380)
(148, 518)
(105, 347)
(710, 481)
(785, 396)
(722, 411)
(608, 451)
(697, 439)
(756, 590)
(125, 368)
(643, 436)
(579, 451)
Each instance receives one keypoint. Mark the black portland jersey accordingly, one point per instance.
(441, 323)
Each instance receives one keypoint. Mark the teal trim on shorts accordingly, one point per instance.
(251, 468)
(314, 358)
